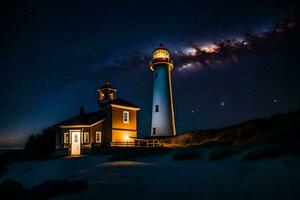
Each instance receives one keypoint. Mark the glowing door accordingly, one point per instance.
(75, 147)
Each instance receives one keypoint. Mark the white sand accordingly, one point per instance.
(160, 177)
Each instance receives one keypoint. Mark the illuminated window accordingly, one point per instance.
(98, 137)
(111, 96)
(125, 117)
(101, 95)
(86, 137)
(156, 108)
(66, 138)
(154, 131)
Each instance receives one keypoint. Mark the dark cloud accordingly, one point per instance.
(230, 50)
(223, 51)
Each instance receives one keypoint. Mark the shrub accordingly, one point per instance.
(221, 154)
(263, 154)
(186, 155)
(40, 146)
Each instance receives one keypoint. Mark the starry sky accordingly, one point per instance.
(234, 60)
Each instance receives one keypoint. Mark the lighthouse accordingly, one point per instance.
(163, 121)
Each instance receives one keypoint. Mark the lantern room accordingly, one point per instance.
(161, 53)
(106, 92)
(161, 56)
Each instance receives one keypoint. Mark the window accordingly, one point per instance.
(86, 137)
(101, 95)
(98, 137)
(76, 138)
(66, 137)
(154, 131)
(156, 108)
(111, 95)
(125, 117)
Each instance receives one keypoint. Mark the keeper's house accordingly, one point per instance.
(114, 125)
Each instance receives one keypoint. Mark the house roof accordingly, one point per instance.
(87, 119)
(84, 119)
(122, 102)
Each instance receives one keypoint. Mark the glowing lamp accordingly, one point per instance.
(161, 56)
(161, 53)
(126, 137)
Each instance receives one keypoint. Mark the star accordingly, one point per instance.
(222, 103)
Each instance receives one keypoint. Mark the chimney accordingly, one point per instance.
(82, 110)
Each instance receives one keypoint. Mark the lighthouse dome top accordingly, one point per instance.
(161, 56)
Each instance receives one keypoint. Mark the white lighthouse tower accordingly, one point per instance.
(163, 122)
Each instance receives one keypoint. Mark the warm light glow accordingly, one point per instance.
(126, 138)
(122, 136)
(161, 53)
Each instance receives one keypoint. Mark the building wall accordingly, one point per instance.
(94, 129)
(123, 135)
(92, 135)
(108, 125)
(117, 119)
(121, 132)
(67, 130)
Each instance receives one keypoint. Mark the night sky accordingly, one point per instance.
(234, 60)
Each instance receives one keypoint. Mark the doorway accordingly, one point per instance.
(75, 143)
